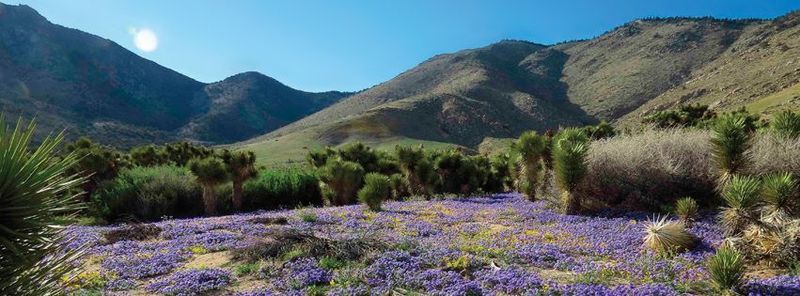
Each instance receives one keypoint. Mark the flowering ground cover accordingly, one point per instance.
(494, 245)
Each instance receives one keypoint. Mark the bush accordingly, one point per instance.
(726, 268)
(376, 188)
(149, 193)
(664, 236)
(771, 153)
(686, 208)
(648, 170)
(287, 188)
(343, 178)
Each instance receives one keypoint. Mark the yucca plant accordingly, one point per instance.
(570, 148)
(663, 236)
(727, 269)
(529, 148)
(780, 195)
(241, 166)
(377, 188)
(687, 209)
(343, 178)
(742, 198)
(416, 167)
(786, 124)
(210, 172)
(35, 189)
(730, 139)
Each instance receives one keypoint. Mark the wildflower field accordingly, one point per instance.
(494, 245)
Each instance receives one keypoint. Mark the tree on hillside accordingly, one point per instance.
(241, 166)
(210, 172)
(36, 189)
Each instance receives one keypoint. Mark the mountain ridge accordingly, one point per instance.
(91, 85)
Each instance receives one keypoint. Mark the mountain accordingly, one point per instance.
(472, 97)
(72, 80)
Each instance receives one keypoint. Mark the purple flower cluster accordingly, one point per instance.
(191, 282)
(496, 245)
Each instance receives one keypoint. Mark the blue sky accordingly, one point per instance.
(351, 45)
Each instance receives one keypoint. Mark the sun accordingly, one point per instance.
(145, 40)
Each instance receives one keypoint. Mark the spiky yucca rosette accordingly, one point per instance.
(663, 236)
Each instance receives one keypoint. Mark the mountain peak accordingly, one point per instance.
(20, 12)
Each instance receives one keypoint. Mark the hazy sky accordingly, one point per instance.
(351, 45)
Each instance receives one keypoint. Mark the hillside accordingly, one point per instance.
(92, 86)
(498, 91)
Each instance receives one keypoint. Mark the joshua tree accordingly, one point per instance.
(416, 167)
(36, 188)
(530, 147)
(210, 172)
(241, 167)
(148, 155)
(343, 178)
(570, 148)
(97, 162)
(780, 195)
(730, 139)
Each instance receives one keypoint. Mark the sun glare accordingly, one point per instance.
(145, 40)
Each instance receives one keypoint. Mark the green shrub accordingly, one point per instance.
(149, 193)
(35, 192)
(399, 186)
(686, 208)
(376, 189)
(569, 157)
(742, 198)
(285, 188)
(684, 116)
(726, 268)
(786, 124)
(343, 178)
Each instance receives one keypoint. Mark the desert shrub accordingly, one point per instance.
(376, 189)
(35, 190)
(649, 169)
(132, 232)
(181, 153)
(600, 131)
(149, 193)
(210, 173)
(687, 209)
(663, 236)
(570, 148)
(499, 174)
(304, 244)
(726, 268)
(285, 188)
(148, 155)
(684, 116)
(344, 178)
(771, 153)
(786, 124)
(458, 173)
(742, 197)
